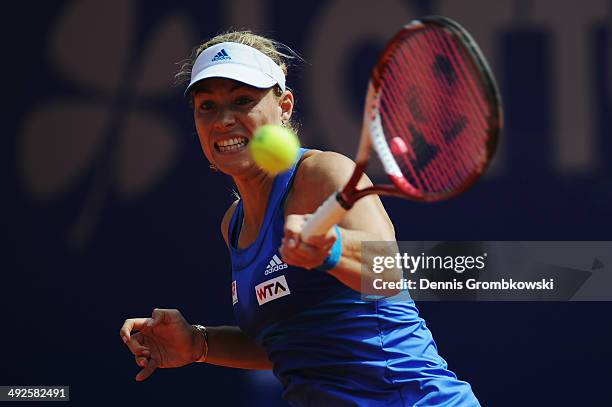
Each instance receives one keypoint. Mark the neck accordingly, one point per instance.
(254, 192)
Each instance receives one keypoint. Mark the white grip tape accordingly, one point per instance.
(326, 216)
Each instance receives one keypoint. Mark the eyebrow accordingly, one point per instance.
(202, 89)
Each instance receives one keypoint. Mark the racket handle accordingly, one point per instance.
(327, 215)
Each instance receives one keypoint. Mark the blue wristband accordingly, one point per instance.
(334, 255)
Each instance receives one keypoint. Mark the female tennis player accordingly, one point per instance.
(298, 304)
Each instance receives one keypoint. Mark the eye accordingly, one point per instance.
(207, 105)
(243, 100)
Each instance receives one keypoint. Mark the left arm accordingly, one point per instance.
(319, 175)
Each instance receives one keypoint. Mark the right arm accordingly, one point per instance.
(168, 340)
(228, 345)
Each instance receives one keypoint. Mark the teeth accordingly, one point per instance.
(231, 144)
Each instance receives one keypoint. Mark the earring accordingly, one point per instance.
(213, 168)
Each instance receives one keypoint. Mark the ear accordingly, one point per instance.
(285, 104)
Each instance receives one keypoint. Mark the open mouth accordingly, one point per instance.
(231, 144)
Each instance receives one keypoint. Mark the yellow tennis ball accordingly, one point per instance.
(274, 148)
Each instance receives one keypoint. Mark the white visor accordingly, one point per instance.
(238, 62)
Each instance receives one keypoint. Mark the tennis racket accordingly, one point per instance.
(433, 115)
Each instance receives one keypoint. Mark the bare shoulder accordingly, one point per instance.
(320, 174)
(324, 167)
(324, 159)
(226, 220)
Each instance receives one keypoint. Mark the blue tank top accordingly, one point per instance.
(329, 347)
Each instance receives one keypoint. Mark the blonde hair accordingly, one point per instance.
(267, 46)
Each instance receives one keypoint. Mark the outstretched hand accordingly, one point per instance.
(164, 340)
(310, 254)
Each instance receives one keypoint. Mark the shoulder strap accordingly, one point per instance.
(233, 232)
(291, 178)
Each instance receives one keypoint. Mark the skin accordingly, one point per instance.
(225, 109)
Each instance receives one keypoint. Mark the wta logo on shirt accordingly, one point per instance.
(234, 293)
(271, 290)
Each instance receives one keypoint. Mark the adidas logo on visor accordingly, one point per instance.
(220, 56)
(275, 265)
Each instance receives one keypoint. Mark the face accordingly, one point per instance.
(227, 113)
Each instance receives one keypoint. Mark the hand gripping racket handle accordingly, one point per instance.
(326, 216)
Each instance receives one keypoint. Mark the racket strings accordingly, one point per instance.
(467, 150)
(434, 111)
(443, 171)
(400, 127)
(473, 92)
(466, 155)
(451, 117)
(420, 151)
(407, 131)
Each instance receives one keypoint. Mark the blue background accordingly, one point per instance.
(63, 300)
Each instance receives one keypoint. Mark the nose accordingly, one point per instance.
(225, 119)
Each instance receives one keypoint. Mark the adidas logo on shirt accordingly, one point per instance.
(275, 265)
(221, 55)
